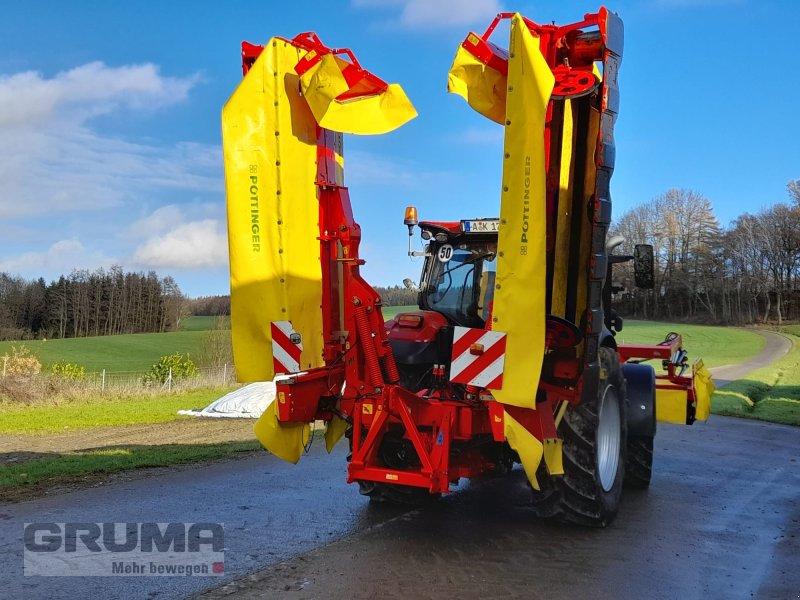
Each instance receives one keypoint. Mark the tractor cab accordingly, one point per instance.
(456, 289)
(458, 277)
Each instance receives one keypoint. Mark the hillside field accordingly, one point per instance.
(135, 352)
(138, 352)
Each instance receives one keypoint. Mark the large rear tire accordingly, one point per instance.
(594, 448)
(639, 464)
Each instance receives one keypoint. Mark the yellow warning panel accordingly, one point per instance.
(269, 143)
(374, 112)
(519, 300)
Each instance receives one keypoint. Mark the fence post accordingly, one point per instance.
(169, 380)
(103, 384)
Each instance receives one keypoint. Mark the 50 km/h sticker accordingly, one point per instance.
(445, 253)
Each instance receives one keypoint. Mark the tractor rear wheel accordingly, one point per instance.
(594, 448)
(639, 465)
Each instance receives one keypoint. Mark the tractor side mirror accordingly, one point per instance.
(643, 266)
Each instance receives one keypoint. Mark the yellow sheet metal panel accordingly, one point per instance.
(589, 185)
(369, 114)
(671, 406)
(334, 431)
(481, 86)
(519, 300)
(563, 218)
(284, 440)
(703, 390)
(269, 144)
(554, 456)
(525, 444)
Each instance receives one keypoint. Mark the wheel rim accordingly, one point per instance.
(608, 439)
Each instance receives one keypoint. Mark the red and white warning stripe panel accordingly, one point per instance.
(478, 357)
(286, 347)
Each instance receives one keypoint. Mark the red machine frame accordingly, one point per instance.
(359, 381)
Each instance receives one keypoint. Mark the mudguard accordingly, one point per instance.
(641, 386)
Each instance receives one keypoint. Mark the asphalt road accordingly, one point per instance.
(721, 520)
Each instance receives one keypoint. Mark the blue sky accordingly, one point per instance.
(110, 134)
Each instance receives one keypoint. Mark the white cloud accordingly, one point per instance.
(197, 244)
(433, 14)
(52, 160)
(30, 99)
(158, 222)
(61, 257)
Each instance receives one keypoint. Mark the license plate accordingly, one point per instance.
(481, 226)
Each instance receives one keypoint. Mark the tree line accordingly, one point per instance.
(84, 303)
(209, 306)
(744, 273)
(215, 306)
(397, 295)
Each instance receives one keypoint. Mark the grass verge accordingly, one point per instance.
(769, 394)
(51, 471)
(717, 346)
(102, 411)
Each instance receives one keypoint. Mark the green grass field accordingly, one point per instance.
(135, 352)
(793, 329)
(202, 323)
(716, 345)
(56, 469)
(98, 410)
(770, 394)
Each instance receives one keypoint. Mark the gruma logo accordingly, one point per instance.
(127, 549)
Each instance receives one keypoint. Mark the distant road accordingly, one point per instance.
(776, 347)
